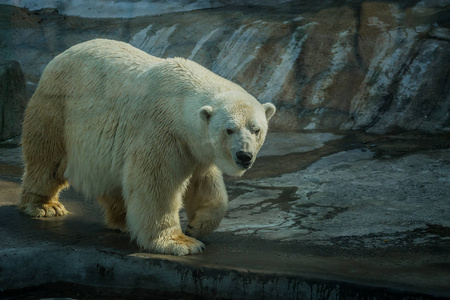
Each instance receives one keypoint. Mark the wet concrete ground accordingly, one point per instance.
(319, 216)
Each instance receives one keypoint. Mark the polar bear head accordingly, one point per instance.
(237, 128)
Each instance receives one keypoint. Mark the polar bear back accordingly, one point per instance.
(106, 95)
(99, 82)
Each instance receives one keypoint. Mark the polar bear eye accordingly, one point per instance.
(230, 131)
(257, 131)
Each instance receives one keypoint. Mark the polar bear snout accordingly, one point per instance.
(244, 159)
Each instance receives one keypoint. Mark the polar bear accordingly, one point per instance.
(144, 136)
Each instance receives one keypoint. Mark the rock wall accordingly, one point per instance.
(338, 65)
(12, 99)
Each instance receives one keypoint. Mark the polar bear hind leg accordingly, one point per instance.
(45, 157)
(40, 196)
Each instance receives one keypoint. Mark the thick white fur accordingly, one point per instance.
(141, 134)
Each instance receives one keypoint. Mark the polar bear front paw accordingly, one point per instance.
(51, 209)
(177, 244)
(199, 228)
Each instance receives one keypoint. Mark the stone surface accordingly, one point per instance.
(326, 217)
(12, 99)
(338, 65)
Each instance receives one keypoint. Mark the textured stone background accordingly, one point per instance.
(321, 214)
(12, 99)
(339, 65)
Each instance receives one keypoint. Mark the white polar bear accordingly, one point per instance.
(143, 135)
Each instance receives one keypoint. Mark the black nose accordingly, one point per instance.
(244, 156)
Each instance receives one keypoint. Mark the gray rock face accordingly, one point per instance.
(12, 99)
(406, 69)
(338, 65)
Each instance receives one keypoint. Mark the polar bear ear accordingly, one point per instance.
(270, 110)
(205, 113)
